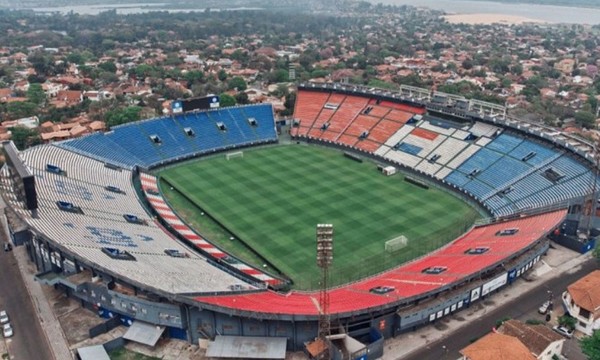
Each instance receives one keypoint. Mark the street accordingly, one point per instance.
(523, 308)
(29, 342)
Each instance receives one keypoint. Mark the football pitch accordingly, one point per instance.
(272, 198)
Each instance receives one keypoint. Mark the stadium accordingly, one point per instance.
(202, 222)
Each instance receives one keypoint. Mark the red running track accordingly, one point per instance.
(408, 280)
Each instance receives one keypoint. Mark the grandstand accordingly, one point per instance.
(102, 225)
(408, 280)
(104, 233)
(160, 141)
(480, 158)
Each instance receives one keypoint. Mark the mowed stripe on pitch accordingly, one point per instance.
(273, 197)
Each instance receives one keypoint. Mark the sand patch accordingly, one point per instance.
(486, 19)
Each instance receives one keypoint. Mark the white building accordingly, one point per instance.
(582, 301)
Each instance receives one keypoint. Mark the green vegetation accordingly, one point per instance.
(122, 116)
(567, 321)
(226, 100)
(124, 354)
(273, 198)
(590, 346)
(499, 322)
(24, 137)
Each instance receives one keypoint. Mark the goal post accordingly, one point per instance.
(396, 244)
(233, 155)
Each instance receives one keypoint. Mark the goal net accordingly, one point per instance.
(233, 155)
(396, 244)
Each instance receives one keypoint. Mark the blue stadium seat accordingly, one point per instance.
(102, 148)
(503, 170)
(409, 148)
(504, 143)
(542, 153)
(481, 160)
(131, 144)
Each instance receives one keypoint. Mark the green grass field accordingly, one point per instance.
(273, 198)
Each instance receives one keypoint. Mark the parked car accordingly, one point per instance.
(7, 330)
(3, 317)
(543, 309)
(563, 331)
(7, 246)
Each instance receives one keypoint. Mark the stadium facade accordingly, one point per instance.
(102, 232)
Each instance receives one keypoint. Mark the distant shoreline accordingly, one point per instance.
(488, 19)
(564, 3)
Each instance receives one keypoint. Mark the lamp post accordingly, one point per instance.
(324, 261)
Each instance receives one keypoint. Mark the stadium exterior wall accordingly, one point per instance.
(200, 321)
(196, 321)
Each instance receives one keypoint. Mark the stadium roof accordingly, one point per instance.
(407, 280)
(96, 352)
(144, 333)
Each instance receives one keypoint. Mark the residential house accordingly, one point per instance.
(5, 94)
(582, 301)
(494, 346)
(51, 89)
(565, 66)
(542, 341)
(28, 122)
(66, 98)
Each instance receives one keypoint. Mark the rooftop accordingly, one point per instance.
(535, 337)
(496, 346)
(586, 291)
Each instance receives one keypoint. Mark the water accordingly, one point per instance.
(547, 13)
(125, 9)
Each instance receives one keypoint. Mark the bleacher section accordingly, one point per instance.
(308, 106)
(150, 187)
(407, 280)
(480, 158)
(86, 206)
(514, 163)
(157, 141)
(102, 223)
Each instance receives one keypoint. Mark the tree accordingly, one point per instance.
(596, 252)
(36, 94)
(20, 109)
(586, 119)
(290, 101)
(237, 83)
(24, 137)
(122, 116)
(108, 66)
(226, 100)
(40, 62)
(590, 346)
(222, 75)
(194, 76)
(242, 98)
(517, 69)
(278, 76)
(467, 64)
(567, 321)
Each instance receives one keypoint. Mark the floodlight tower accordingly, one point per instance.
(324, 261)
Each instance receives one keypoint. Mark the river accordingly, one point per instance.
(134, 8)
(546, 13)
